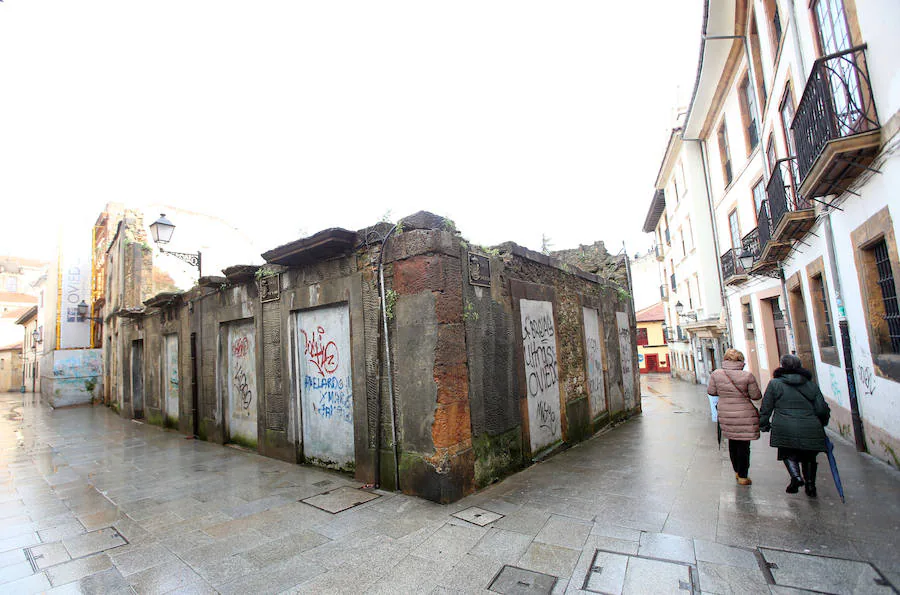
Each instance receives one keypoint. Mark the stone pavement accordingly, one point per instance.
(93, 503)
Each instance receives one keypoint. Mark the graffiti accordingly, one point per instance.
(324, 356)
(541, 372)
(626, 358)
(242, 385)
(547, 417)
(835, 385)
(334, 401)
(241, 347)
(867, 379)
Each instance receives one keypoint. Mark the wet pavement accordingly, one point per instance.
(93, 503)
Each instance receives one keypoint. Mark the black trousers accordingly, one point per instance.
(740, 456)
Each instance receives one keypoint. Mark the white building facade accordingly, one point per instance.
(795, 112)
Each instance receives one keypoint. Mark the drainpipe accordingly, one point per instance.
(387, 359)
(859, 434)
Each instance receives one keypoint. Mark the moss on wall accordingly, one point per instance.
(497, 456)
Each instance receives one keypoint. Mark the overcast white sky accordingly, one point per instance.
(516, 119)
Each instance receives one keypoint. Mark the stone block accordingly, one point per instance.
(449, 304)
(452, 424)
(452, 383)
(451, 344)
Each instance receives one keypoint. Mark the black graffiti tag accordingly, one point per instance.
(240, 383)
(546, 416)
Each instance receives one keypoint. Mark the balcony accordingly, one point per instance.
(769, 248)
(659, 252)
(732, 270)
(792, 215)
(836, 127)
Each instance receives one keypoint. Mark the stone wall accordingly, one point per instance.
(318, 389)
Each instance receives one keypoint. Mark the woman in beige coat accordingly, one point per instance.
(738, 417)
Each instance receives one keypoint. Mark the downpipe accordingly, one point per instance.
(390, 381)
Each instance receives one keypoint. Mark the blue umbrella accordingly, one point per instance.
(829, 451)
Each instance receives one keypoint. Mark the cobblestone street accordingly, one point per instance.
(94, 503)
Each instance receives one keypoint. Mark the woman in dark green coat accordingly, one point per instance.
(799, 414)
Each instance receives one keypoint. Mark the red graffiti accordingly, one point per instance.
(241, 347)
(324, 356)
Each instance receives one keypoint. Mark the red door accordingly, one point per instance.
(652, 360)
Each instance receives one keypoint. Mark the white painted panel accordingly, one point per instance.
(627, 356)
(242, 393)
(541, 373)
(170, 378)
(593, 349)
(326, 388)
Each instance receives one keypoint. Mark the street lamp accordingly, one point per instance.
(679, 309)
(162, 230)
(83, 312)
(746, 258)
(35, 335)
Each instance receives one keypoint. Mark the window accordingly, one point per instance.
(748, 114)
(885, 281)
(642, 336)
(757, 58)
(775, 30)
(11, 284)
(724, 153)
(674, 285)
(690, 233)
(831, 26)
(823, 310)
(683, 247)
(734, 228)
(771, 156)
(787, 117)
(878, 265)
(759, 195)
(687, 286)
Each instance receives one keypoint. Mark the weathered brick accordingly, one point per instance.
(449, 305)
(452, 383)
(418, 274)
(451, 344)
(452, 424)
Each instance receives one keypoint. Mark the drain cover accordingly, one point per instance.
(518, 581)
(478, 516)
(340, 499)
(618, 573)
(829, 575)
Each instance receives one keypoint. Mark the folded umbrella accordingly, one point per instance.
(829, 452)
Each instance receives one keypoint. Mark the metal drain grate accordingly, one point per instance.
(612, 572)
(824, 574)
(340, 499)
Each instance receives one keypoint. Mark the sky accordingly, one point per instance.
(518, 120)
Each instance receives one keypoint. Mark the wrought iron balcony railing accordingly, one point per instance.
(782, 192)
(731, 265)
(751, 242)
(837, 103)
(764, 226)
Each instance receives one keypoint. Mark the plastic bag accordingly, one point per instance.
(714, 408)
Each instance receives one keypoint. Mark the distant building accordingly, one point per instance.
(645, 279)
(29, 357)
(11, 368)
(653, 348)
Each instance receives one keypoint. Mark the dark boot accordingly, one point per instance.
(809, 477)
(793, 468)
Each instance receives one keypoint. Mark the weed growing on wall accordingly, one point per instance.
(390, 298)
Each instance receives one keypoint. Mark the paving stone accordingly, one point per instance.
(50, 554)
(340, 499)
(163, 578)
(96, 541)
(449, 543)
(606, 573)
(14, 572)
(667, 547)
(478, 516)
(139, 558)
(728, 580)
(12, 557)
(519, 581)
(526, 520)
(717, 553)
(226, 569)
(564, 532)
(652, 576)
(75, 570)
(817, 573)
(503, 546)
(273, 579)
(283, 548)
(550, 559)
(616, 532)
(411, 574)
(63, 531)
(19, 542)
(36, 583)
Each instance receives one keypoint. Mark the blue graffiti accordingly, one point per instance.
(333, 402)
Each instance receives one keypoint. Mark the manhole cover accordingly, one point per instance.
(618, 573)
(518, 581)
(828, 575)
(340, 499)
(478, 516)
